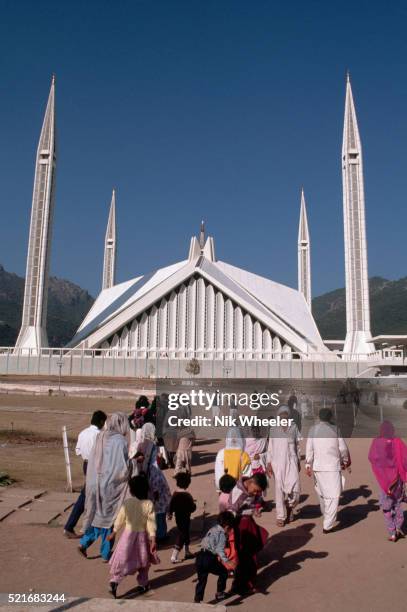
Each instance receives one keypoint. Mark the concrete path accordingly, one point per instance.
(85, 604)
(33, 506)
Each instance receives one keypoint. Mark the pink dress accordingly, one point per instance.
(132, 553)
(223, 501)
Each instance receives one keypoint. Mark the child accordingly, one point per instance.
(251, 537)
(136, 549)
(212, 558)
(226, 485)
(182, 505)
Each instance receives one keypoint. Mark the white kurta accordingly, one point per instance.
(283, 456)
(325, 453)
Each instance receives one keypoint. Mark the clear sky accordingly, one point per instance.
(214, 109)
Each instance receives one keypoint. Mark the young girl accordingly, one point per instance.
(136, 549)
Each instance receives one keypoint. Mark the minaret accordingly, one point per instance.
(109, 261)
(33, 334)
(304, 254)
(358, 336)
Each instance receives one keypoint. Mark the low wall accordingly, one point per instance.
(103, 366)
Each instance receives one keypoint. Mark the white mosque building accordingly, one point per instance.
(201, 308)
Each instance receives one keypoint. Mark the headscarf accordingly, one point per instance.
(116, 424)
(256, 444)
(147, 444)
(388, 456)
(234, 439)
(283, 409)
(147, 432)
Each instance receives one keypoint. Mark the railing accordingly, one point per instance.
(154, 363)
(390, 354)
(201, 354)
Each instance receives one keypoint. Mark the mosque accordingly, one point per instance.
(201, 307)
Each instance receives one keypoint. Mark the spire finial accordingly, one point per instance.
(202, 235)
(348, 76)
(53, 77)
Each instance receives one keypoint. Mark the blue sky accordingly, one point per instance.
(219, 110)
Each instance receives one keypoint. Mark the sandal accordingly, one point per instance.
(189, 555)
(140, 590)
(290, 516)
(82, 551)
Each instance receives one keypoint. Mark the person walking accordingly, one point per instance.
(326, 455)
(388, 458)
(182, 506)
(84, 446)
(232, 459)
(106, 484)
(160, 492)
(136, 549)
(283, 462)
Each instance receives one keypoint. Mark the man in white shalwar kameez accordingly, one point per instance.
(283, 461)
(326, 455)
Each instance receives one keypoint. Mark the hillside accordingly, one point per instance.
(67, 306)
(388, 305)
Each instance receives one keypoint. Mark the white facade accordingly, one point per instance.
(109, 259)
(304, 254)
(358, 336)
(33, 333)
(201, 308)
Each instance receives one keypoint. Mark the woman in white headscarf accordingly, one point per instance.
(160, 492)
(283, 461)
(233, 459)
(106, 483)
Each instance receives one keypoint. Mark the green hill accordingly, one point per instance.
(67, 306)
(388, 309)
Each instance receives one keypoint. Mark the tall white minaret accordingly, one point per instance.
(33, 334)
(109, 261)
(304, 253)
(358, 335)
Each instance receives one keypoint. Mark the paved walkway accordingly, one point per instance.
(33, 506)
(84, 604)
(355, 569)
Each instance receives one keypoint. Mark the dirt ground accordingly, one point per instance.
(355, 568)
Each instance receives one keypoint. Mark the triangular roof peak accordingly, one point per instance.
(202, 246)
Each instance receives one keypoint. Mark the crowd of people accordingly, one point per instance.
(127, 499)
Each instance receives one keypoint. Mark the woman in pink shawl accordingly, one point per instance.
(388, 456)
